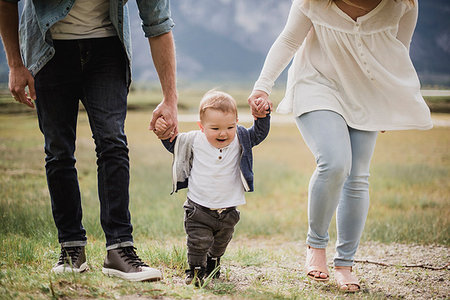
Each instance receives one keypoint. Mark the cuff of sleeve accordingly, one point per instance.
(155, 30)
(263, 88)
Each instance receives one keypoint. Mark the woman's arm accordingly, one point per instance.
(407, 25)
(284, 48)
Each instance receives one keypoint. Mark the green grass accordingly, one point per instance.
(409, 204)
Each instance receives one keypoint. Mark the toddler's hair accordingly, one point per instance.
(217, 100)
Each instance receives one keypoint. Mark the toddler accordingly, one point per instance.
(215, 164)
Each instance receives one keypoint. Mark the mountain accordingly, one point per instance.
(430, 48)
(227, 40)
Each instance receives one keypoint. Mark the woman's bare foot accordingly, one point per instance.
(346, 281)
(316, 264)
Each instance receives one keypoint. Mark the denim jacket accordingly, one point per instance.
(181, 147)
(38, 16)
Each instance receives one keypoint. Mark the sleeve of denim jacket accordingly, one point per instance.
(170, 146)
(156, 17)
(260, 129)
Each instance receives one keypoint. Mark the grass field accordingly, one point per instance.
(410, 203)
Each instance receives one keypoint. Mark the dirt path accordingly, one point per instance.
(274, 266)
(386, 281)
(273, 269)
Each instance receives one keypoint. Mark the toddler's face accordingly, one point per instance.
(219, 127)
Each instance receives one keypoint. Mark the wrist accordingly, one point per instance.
(171, 100)
(261, 90)
(15, 64)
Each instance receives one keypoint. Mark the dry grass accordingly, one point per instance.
(409, 205)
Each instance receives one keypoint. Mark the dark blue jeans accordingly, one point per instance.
(93, 71)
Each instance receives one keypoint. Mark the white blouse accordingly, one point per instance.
(360, 69)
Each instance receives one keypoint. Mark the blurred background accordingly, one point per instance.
(225, 41)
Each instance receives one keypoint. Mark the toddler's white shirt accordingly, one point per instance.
(360, 69)
(215, 181)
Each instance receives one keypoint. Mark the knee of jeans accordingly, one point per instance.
(357, 182)
(199, 243)
(59, 158)
(111, 144)
(334, 166)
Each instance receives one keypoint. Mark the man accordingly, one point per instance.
(80, 50)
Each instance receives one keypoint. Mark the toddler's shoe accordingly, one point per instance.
(195, 274)
(211, 264)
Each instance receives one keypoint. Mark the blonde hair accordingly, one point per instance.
(219, 101)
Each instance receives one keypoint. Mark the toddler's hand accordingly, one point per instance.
(160, 127)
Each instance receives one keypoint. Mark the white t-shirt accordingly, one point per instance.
(360, 69)
(86, 19)
(215, 180)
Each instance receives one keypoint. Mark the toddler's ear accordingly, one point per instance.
(200, 125)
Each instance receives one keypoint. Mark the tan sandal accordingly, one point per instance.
(316, 261)
(346, 280)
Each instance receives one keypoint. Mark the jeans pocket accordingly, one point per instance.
(234, 216)
(189, 212)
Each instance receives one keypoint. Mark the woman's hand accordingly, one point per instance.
(260, 104)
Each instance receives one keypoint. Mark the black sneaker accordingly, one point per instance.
(211, 264)
(195, 274)
(71, 259)
(126, 264)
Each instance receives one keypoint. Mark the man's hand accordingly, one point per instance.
(169, 114)
(19, 79)
(260, 104)
(19, 76)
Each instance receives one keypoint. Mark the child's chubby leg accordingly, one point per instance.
(199, 229)
(222, 237)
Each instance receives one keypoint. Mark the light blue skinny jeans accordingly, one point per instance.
(340, 181)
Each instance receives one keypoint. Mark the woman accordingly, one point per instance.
(350, 78)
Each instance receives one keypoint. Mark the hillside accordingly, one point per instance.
(226, 40)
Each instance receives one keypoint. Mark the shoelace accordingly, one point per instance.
(130, 256)
(69, 252)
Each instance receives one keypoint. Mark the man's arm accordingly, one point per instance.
(19, 76)
(163, 54)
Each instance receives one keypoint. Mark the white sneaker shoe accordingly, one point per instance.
(71, 259)
(126, 264)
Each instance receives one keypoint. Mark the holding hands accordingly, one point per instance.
(164, 121)
(161, 127)
(260, 104)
